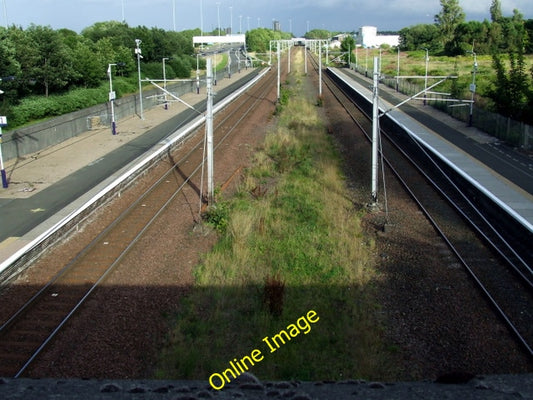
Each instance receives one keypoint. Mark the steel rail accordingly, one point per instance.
(493, 302)
(263, 88)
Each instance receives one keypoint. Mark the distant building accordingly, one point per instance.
(368, 37)
(276, 26)
(337, 40)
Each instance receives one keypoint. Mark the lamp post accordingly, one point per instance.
(197, 73)
(174, 14)
(231, 20)
(218, 18)
(112, 97)
(139, 56)
(398, 72)
(473, 88)
(3, 122)
(426, 77)
(165, 81)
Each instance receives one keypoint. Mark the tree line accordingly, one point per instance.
(42, 62)
(507, 39)
(452, 35)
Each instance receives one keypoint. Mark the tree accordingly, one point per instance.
(258, 40)
(468, 35)
(496, 11)
(528, 25)
(53, 69)
(119, 33)
(510, 91)
(450, 16)
(318, 34)
(421, 36)
(9, 69)
(348, 46)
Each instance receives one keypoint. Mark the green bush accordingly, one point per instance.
(36, 108)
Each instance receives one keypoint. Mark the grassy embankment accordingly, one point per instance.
(290, 242)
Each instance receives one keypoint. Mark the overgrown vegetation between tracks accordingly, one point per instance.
(290, 242)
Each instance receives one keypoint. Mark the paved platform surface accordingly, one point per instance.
(43, 183)
(512, 165)
(498, 387)
(508, 178)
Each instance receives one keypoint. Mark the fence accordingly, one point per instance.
(515, 133)
(23, 141)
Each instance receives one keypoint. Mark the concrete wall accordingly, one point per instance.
(21, 142)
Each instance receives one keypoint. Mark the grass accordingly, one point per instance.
(292, 242)
(413, 63)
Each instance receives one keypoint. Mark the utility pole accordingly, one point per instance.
(209, 135)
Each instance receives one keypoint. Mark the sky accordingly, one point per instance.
(334, 15)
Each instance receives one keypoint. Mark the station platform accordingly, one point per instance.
(502, 172)
(46, 186)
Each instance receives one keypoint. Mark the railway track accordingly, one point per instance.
(496, 268)
(32, 328)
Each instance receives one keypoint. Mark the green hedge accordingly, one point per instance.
(36, 108)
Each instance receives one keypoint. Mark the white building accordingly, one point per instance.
(368, 37)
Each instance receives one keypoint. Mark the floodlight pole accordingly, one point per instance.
(375, 132)
(209, 134)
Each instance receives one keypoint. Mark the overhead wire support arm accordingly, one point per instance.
(417, 94)
(171, 95)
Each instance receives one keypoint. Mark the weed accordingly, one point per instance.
(273, 294)
(217, 216)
